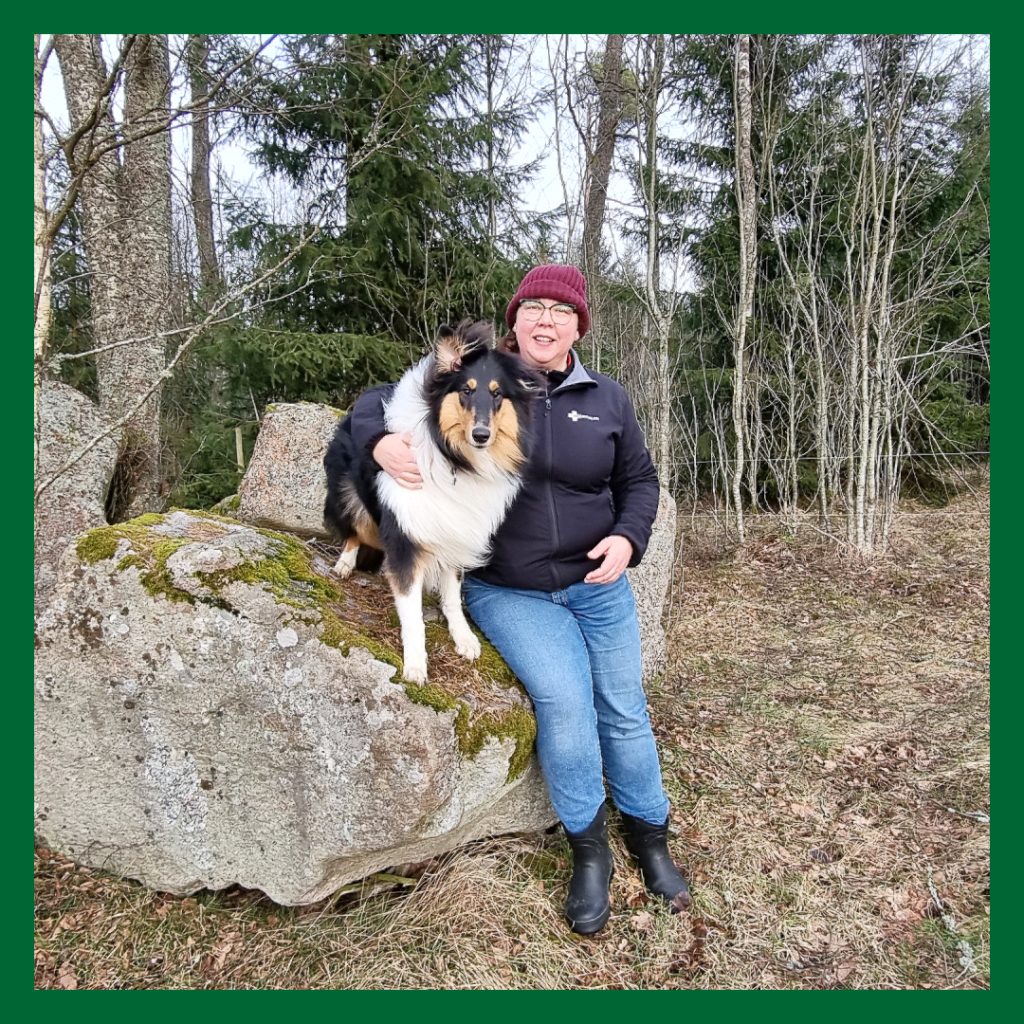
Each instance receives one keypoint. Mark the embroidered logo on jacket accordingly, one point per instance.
(577, 416)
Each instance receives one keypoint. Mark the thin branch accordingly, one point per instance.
(168, 372)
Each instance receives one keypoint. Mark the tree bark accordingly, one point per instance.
(148, 183)
(100, 193)
(202, 200)
(41, 254)
(599, 165)
(659, 307)
(745, 205)
(127, 229)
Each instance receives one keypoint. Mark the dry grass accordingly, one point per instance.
(824, 733)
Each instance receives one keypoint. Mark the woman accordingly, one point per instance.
(553, 598)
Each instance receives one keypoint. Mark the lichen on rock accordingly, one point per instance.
(283, 565)
(233, 652)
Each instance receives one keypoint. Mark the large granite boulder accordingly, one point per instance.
(213, 708)
(650, 582)
(284, 486)
(75, 501)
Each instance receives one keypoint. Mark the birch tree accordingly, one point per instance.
(653, 267)
(869, 256)
(43, 242)
(746, 208)
(660, 307)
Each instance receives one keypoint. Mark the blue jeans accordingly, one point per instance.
(577, 652)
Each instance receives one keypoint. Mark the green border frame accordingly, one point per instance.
(401, 15)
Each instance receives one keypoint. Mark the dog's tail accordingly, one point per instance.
(339, 465)
(342, 466)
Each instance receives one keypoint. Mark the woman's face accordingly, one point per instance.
(543, 342)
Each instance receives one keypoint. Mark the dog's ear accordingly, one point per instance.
(477, 335)
(449, 349)
(454, 345)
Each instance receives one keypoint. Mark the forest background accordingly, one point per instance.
(786, 239)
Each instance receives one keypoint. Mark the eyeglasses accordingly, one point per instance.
(531, 309)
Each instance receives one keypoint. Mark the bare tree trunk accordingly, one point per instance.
(878, 233)
(599, 165)
(659, 310)
(792, 455)
(754, 395)
(130, 270)
(850, 389)
(87, 91)
(41, 252)
(491, 62)
(892, 482)
(148, 183)
(202, 200)
(807, 305)
(653, 261)
(886, 469)
(569, 191)
(745, 205)
(871, 483)
(822, 451)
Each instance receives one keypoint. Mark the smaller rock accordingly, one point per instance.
(285, 486)
(74, 503)
(226, 506)
(650, 582)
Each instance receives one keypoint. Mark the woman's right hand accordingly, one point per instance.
(393, 453)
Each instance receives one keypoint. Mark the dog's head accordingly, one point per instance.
(481, 397)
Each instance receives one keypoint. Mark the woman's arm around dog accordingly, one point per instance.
(392, 452)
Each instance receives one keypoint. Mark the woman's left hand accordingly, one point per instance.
(616, 552)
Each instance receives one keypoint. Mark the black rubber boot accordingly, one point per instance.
(588, 906)
(649, 847)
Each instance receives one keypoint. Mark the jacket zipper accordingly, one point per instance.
(548, 484)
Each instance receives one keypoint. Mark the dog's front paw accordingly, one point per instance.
(468, 646)
(415, 672)
(344, 566)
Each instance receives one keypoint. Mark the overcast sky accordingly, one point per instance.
(235, 174)
(233, 165)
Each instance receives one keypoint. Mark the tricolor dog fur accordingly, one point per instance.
(467, 407)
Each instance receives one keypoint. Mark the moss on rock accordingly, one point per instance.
(148, 553)
(226, 505)
(346, 618)
(97, 545)
(516, 724)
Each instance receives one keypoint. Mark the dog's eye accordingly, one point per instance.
(498, 396)
(467, 390)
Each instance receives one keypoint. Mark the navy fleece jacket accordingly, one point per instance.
(589, 475)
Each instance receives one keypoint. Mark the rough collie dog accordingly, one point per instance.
(467, 408)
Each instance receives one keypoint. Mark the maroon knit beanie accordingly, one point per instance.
(559, 281)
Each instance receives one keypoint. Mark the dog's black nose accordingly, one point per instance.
(480, 435)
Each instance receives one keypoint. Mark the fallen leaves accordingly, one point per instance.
(803, 810)
(813, 751)
(692, 958)
(641, 922)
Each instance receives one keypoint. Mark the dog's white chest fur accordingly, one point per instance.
(455, 513)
